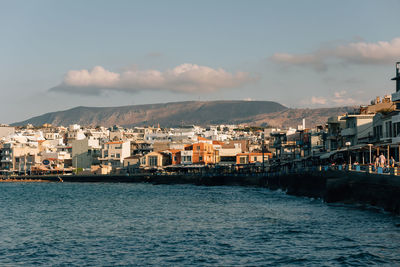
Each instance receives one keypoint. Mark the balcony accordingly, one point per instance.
(348, 132)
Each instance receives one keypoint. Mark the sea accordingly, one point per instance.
(106, 224)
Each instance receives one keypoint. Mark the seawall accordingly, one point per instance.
(379, 190)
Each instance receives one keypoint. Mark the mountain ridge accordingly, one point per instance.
(186, 112)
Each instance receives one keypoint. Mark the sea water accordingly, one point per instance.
(103, 224)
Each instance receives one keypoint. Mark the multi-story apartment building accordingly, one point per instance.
(85, 152)
(334, 138)
(203, 153)
(114, 153)
(19, 157)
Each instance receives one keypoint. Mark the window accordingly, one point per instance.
(153, 161)
(118, 155)
(242, 160)
(255, 158)
(388, 129)
(397, 129)
(105, 153)
(187, 158)
(200, 158)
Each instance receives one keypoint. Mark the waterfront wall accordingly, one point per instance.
(381, 190)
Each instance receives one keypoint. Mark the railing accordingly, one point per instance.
(345, 168)
(361, 168)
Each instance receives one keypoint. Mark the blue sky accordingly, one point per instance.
(57, 55)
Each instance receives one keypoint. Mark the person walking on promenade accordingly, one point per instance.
(382, 160)
(376, 162)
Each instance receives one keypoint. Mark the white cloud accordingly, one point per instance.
(339, 94)
(355, 53)
(186, 78)
(98, 77)
(339, 98)
(317, 100)
(370, 53)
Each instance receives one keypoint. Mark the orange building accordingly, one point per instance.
(203, 153)
(175, 156)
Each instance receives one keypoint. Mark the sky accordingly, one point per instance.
(56, 55)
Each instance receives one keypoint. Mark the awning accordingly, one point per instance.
(327, 155)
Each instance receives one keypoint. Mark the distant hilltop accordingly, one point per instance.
(174, 114)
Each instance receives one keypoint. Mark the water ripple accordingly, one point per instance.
(182, 225)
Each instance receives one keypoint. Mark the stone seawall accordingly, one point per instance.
(332, 186)
(378, 190)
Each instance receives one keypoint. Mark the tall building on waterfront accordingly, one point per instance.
(397, 77)
(396, 95)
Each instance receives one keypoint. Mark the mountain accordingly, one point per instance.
(294, 117)
(168, 114)
(189, 112)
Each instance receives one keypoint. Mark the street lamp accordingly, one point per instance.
(262, 150)
(370, 154)
(348, 151)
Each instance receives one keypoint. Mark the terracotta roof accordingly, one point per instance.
(217, 142)
(174, 150)
(112, 143)
(202, 138)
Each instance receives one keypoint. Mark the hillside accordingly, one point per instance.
(168, 114)
(294, 117)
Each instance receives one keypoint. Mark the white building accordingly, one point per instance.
(114, 153)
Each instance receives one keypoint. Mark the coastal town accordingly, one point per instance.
(200, 133)
(354, 139)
